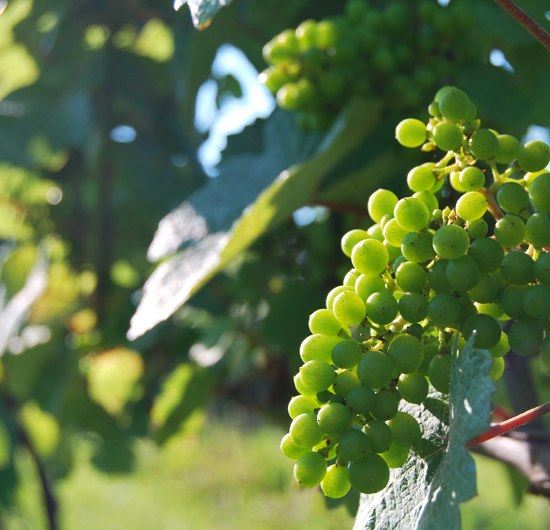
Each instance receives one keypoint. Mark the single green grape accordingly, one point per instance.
(344, 382)
(336, 483)
(542, 268)
(382, 307)
(497, 369)
(536, 301)
(317, 375)
(447, 136)
(411, 133)
(305, 431)
(310, 469)
(534, 156)
(381, 202)
(421, 178)
(512, 197)
(393, 233)
(413, 387)
(472, 179)
(406, 353)
(347, 353)
(502, 348)
(351, 278)
(487, 252)
(487, 328)
(537, 229)
(334, 419)
(411, 214)
(405, 429)
(477, 229)
(318, 347)
(484, 144)
(428, 197)
(385, 406)
(413, 307)
(396, 456)
(370, 474)
(525, 336)
(360, 400)
(368, 284)
(437, 277)
(451, 241)
(510, 231)
(454, 181)
(291, 450)
(301, 405)
(375, 369)
(539, 192)
(354, 445)
(301, 388)
(439, 372)
(471, 206)
(379, 434)
(370, 257)
(512, 301)
(518, 268)
(333, 293)
(349, 308)
(351, 238)
(410, 277)
(454, 105)
(324, 322)
(443, 310)
(418, 247)
(463, 273)
(508, 149)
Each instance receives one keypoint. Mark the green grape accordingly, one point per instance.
(529, 178)
(537, 229)
(413, 307)
(325, 396)
(488, 254)
(301, 388)
(368, 284)
(335, 292)
(398, 261)
(488, 331)
(437, 277)
(317, 375)
(301, 405)
(393, 252)
(545, 352)
(411, 214)
(421, 178)
(430, 351)
(411, 133)
(291, 450)
(433, 109)
(415, 329)
(310, 469)
(463, 273)
(375, 232)
(360, 400)
(305, 431)
(467, 309)
(375, 369)
(382, 307)
(385, 406)
(484, 144)
(327, 34)
(539, 192)
(349, 308)
(418, 247)
(405, 430)
(410, 277)
(443, 310)
(510, 231)
(393, 233)
(472, 113)
(428, 198)
(334, 419)
(306, 34)
(381, 202)
(379, 434)
(439, 372)
(472, 179)
(396, 456)
(512, 197)
(273, 79)
(518, 268)
(451, 241)
(454, 181)
(536, 302)
(447, 136)
(542, 268)
(351, 239)
(512, 301)
(502, 348)
(485, 291)
(477, 229)
(439, 94)
(351, 278)
(525, 336)
(471, 206)
(354, 445)
(324, 322)
(454, 105)
(413, 387)
(406, 353)
(497, 369)
(288, 97)
(336, 483)
(534, 156)
(370, 474)
(370, 257)
(347, 354)
(508, 148)
(344, 382)
(317, 347)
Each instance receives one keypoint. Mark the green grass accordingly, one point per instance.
(229, 479)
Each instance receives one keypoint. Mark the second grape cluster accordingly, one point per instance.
(421, 278)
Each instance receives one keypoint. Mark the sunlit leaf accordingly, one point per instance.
(41, 427)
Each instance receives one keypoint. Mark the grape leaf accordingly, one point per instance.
(182, 275)
(203, 11)
(426, 492)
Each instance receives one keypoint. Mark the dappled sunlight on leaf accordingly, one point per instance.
(155, 41)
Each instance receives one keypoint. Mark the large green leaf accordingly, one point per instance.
(203, 11)
(426, 492)
(182, 275)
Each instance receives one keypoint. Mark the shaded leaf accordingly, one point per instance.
(178, 278)
(426, 492)
(203, 11)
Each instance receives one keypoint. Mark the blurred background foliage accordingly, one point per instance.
(107, 112)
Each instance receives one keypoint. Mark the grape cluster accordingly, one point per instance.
(421, 278)
(393, 53)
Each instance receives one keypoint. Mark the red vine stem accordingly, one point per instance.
(526, 21)
(509, 425)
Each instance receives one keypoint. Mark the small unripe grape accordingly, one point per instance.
(471, 206)
(441, 92)
(488, 331)
(349, 308)
(396, 456)
(375, 232)
(351, 238)
(360, 400)
(350, 279)
(497, 369)
(485, 291)
(421, 178)
(317, 375)
(477, 229)
(411, 133)
(463, 273)
(525, 336)
(443, 310)
(382, 307)
(537, 229)
(542, 268)
(518, 268)
(413, 387)
(305, 431)
(393, 233)
(508, 148)
(370, 474)
(381, 202)
(327, 34)
(451, 241)
(472, 179)
(439, 372)
(529, 178)
(418, 247)
(291, 450)
(324, 322)
(288, 97)
(410, 277)
(318, 347)
(334, 419)
(488, 254)
(375, 369)
(370, 257)
(344, 382)
(512, 197)
(405, 429)
(483, 144)
(336, 483)
(273, 79)
(454, 105)
(347, 353)
(502, 348)
(536, 302)
(385, 406)
(301, 388)
(539, 192)
(333, 293)
(368, 284)
(428, 198)
(413, 307)
(510, 231)
(437, 277)
(534, 156)
(447, 136)
(379, 434)
(406, 353)
(454, 181)
(411, 214)
(512, 301)
(301, 405)
(306, 34)
(310, 469)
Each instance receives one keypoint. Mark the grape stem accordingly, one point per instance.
(509, 425)
(526, 21)
(492, 205)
